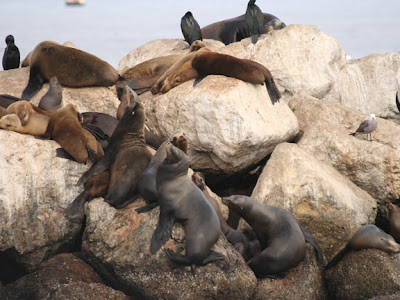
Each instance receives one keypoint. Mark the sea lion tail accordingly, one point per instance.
(313, 241)
(338, 257)
(76, 207)
(272, 89)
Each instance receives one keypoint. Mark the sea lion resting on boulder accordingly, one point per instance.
(181, 200)
(73, 67)
(36, 125)
(24, 110)
(209, 62)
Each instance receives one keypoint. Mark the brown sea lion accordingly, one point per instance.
(24, 110)
(190, 28)
(126, 156)
(233, 30)
(36, 125)
(73, 67)
(368, 236)
(65, 128)
(181, 200)
(236, 238)
(209, 62)
(51, 101)
(394, 220)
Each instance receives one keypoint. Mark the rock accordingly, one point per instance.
(231, 125)
(62, 277)
(300, 57)
(387, 297)
(364, 274)
(35, 188)
(369, 85)
(302, 282)
(119, 240)
(323, 201)
(325, 129)
(158, 48)
(99, 99)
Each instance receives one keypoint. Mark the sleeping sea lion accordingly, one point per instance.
(11, 54)
(24, 110)
(255, 20)
(209, 62)
(51, 101)
(190, 28)
(181, 200)
(73, 68)
(36, 125)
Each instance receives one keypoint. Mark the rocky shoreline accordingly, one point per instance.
(332, 182)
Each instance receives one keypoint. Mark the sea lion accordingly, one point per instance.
(394, 220)
(73, 67)
(190, 28)
(181, 200)
(236, 238)
(233, 30)
(281, 239)
(65, 128)
(274, 24)
(367, 127)
(51, 101)
(255, 20)
(147, 181)
(36, 125)
(24, 110)
(367, 237)
(126, 156)
(209, 62)
(11, 54)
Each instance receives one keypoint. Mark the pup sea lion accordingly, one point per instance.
(190, 28)
(126, 156)
(36, 125)
(65, 128)
(209, 62)
(147, 181)
(236, 238)
(24, 110)
(281, 238)
(368, 236)
(73, 67)
(51, 101)
(394, 220)
(11, 54)
(181, 200)
(233, 30)
(255, 20)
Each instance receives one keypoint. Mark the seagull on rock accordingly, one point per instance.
(367, 126)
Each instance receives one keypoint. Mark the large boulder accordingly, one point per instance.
(99, 99)
(35, 188)
(62, 277)
(364, 274)
(369, 85)
(119, 241)
(323, 201)
(325, 129)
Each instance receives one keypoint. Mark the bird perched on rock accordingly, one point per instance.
(11, 54)
(367, 126)
(190, 28)
(255, 20)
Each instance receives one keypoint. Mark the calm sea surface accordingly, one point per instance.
(111, 29)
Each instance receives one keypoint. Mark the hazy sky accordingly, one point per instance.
(111, 29)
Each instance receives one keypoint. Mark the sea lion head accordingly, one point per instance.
(198, 179)
(10, 122)
(176, 160)
(196, 45)
(236, 202)
(179, 140)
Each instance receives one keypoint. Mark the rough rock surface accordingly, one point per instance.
(302, 282)
(369, 85)
(99, 99)
(64, 276)
(230, 124)
(35, 188)
(120, 241)
(364, 274)
(324, 132)
(323, 201)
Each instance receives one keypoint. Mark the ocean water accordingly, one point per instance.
(111, 29)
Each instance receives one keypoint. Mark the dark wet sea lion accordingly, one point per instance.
(126, 156)
(36, 125)
(394, 220)
(368, 236)
(51, 101)
(11, 54)
(6, 100)
(236, 238)
(65, 128)
(255, 20)
(190, 28)
(73, 68)
(213, 63)
(181, 200)
(147, 181)
(233, 30)
(281, 238)
(101, 125)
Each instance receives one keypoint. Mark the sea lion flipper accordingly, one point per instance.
(62, 153)
(147, 207)
(162, 233)
(214, 255)
(76, 207)
(198, 79)
(98, 167)
(34, 84)
(338, 257)
(313, 241)
(273, 91)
